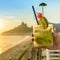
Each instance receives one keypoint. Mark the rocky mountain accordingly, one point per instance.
(22, 29)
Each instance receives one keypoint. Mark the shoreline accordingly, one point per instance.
(16, 50)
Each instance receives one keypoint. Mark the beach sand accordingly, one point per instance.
(15, 52)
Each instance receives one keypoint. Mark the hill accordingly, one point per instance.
(56, 26)
(22, 29)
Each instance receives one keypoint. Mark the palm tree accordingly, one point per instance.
(43, 4)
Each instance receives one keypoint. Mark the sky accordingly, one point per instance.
(13, 12)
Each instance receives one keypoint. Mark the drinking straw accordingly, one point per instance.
(35, 15)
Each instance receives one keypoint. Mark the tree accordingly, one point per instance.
(43, 4)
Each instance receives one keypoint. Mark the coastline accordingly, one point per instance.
(17, 50)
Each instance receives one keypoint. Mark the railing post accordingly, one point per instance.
(47, 54)
(39, 54)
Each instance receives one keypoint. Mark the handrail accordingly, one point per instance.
(53, 54)
(22, 54)
(19, 58)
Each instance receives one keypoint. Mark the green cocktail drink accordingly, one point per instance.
(43, 37)
(43, 32)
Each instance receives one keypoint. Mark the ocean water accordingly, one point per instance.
(7, 42)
